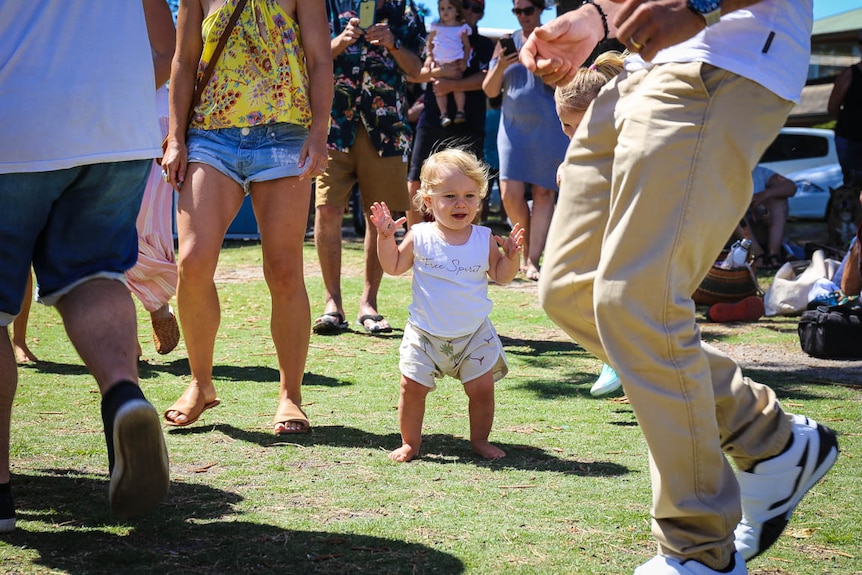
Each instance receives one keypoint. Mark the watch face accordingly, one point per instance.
(704, 6)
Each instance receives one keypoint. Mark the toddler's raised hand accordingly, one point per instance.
(382, 220)
(514, 244)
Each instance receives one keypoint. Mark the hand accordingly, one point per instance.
(175, 164)
(351, 33)
(647, 26)
(381, 35)
(555, 50)
(382, 220)
(443, 87)
(313, 156)
(514, 244)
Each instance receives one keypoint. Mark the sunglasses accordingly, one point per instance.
(528, 11)
(474, 8)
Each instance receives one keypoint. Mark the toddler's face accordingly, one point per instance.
(569, 120)
(447, 11)
(455, 201)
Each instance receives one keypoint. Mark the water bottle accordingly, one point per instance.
(738, 255)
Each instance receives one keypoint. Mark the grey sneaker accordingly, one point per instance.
(775, 486)
(661, 565)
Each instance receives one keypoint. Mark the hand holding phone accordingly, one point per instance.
(508, 45)
(367, 9)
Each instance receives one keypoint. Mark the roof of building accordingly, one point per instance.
(843, 22)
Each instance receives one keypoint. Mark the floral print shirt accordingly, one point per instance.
(369, 85)
(260, 77)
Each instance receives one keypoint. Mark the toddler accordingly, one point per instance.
(448, 331)
(448, 48)
(572, 101)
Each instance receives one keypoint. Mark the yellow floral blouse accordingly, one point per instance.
(261, 76)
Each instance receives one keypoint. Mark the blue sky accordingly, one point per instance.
(498, 13)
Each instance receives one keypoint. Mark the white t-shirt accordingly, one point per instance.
(768, 43)
(77, 84)
(450, 283)
(448, 45)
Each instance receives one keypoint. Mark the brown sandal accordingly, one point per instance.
(289, 412)
(191, 409)
(166, 334)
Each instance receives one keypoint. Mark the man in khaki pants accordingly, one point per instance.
(654, 182)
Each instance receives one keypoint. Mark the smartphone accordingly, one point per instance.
(508, 45)
(367, 8)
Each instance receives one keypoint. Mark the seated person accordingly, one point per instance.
(766, 217)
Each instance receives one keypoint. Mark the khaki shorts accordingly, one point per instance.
(380, 179)
(426, 358)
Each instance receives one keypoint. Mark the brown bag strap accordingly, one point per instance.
(208, 71)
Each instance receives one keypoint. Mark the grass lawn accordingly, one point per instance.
(572, 495)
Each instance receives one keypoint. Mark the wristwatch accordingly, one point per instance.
(709, 9)
(396, 45)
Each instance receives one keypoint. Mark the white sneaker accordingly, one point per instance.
(661, 565)
(607, 382)
(775, 486)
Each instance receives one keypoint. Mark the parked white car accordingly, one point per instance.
(808, 157)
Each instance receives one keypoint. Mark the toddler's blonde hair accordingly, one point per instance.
(437, 167)
(585, 86)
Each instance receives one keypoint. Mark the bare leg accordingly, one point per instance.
(373, 275)
(515, 203)
(163, 312)
(282, 229)
(481, 394)
(327, 239)
(411, 414)
(777, 220)
(460, 100)
(442, 104)
(8, 386)
(19, 327)
(208, 204)
(540, 221)
(101, 322)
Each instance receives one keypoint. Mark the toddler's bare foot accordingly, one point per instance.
(23, 353)
(404, 453)
(487, 450)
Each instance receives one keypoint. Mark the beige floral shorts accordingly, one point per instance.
(426, 358)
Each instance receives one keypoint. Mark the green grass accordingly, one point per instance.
(572, 495)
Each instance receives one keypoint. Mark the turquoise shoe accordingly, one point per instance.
(607, 382)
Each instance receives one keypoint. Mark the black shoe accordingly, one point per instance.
(7, 510)
(137, 455)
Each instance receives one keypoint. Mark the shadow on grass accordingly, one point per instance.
(188, 533)
(436, 448)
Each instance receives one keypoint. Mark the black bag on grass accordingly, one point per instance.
(832, 332)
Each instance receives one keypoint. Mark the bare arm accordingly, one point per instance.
(351, 33)
(443, 86)
(492, 83)
(315, 32)
(394, 259)
(409, 62)
(555, 50)
(502, 266)
(183, 74)
(839, 92)
(777, 187)
(163, 37)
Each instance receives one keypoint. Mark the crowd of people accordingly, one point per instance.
(620, 177)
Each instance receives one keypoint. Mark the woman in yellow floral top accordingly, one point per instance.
(260, 128)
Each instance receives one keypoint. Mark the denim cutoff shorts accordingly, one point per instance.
(74, 225)
(251, 154)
